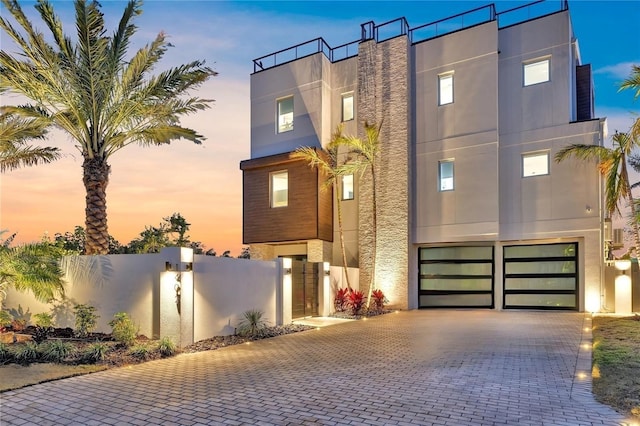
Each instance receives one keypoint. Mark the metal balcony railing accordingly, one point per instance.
(400, 27)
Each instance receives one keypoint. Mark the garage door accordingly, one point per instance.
(456, 277)
(541, 276)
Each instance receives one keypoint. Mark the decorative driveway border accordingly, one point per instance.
(440, 367)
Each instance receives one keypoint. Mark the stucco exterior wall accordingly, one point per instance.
(306, 79)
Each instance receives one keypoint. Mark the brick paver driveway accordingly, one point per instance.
(441, 367)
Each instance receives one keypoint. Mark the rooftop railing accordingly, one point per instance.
(400, 26)
(453, 23)
(530, 11)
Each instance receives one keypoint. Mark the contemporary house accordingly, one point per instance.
(472, 209)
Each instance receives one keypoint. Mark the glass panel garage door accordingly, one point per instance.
(542, 276)
(456, 277)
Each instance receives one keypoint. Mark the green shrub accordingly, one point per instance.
(6, 356)
(44, 320)
(26, 353)
(56, 350)
(86, 319)
(140, 351)
(252, 324)
(122, 329)
(95, 352)
(166, 347)
(5, 318)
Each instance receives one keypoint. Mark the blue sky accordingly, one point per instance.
(204, 182)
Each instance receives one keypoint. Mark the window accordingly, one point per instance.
(536, 72)
(535, 164)
(285, 114)
(279, 189)
(347, 187)
(347, 107)
(446, 175)
(445, 89)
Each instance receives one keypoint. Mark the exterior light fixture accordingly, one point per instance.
(168, 266)
(623, 287)
(188, 266)
(286, 266)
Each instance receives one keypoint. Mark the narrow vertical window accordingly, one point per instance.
(279, 189)
(285, 114)
(347, 187)
(445, 177)
(535, 164)
(536, 72)
(347, 107)
(445, 89)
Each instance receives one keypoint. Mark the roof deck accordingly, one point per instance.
(400, 27)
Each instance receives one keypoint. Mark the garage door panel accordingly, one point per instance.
(456, 301)
(456, 284)
(540, 284)
(484, 269)
(456, 276)
(547, 301)
(541, 276)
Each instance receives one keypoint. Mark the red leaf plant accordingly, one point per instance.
(378, 300)
(341, 302)
(356, 301)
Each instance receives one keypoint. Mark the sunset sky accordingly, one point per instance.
(204, 183)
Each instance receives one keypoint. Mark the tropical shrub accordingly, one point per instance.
(55, 351)
(6, 356)
(166, 347)
(123, 330)
(5, 319)
(378, 300)
(341, 300)
(140, 351)
(95, 352)
(251, 324)
(356, 301)
(86, 319)
(44, 320)
(26, 353)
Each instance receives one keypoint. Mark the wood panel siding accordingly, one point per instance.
(308, 214)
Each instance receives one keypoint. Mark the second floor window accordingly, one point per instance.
(445, 89)
(347, 187)
(285, 114)
(347, 107)
(280, 189)
(445, 175)
(536, 72)
(535, 164)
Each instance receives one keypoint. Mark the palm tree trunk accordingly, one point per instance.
(341, 232)
(96, 178)
(375, 236)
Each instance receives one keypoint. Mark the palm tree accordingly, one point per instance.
(633, 83)
(366, 152)
(104, 100)
(612, 164)
(31, 267)
(328, 162)
(15, 132)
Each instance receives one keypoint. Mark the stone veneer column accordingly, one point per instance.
(384, 96)
(261, 252)
(319, 251)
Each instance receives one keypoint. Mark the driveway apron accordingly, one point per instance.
(441, 367)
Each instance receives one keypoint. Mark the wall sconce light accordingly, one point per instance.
(188, 266)
(286, 266)
(168, 266)
(326, 268)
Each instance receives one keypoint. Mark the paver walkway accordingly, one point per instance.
(442, 367)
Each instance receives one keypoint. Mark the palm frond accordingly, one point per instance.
(632, 82)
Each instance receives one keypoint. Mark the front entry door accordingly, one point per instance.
(304, 281)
